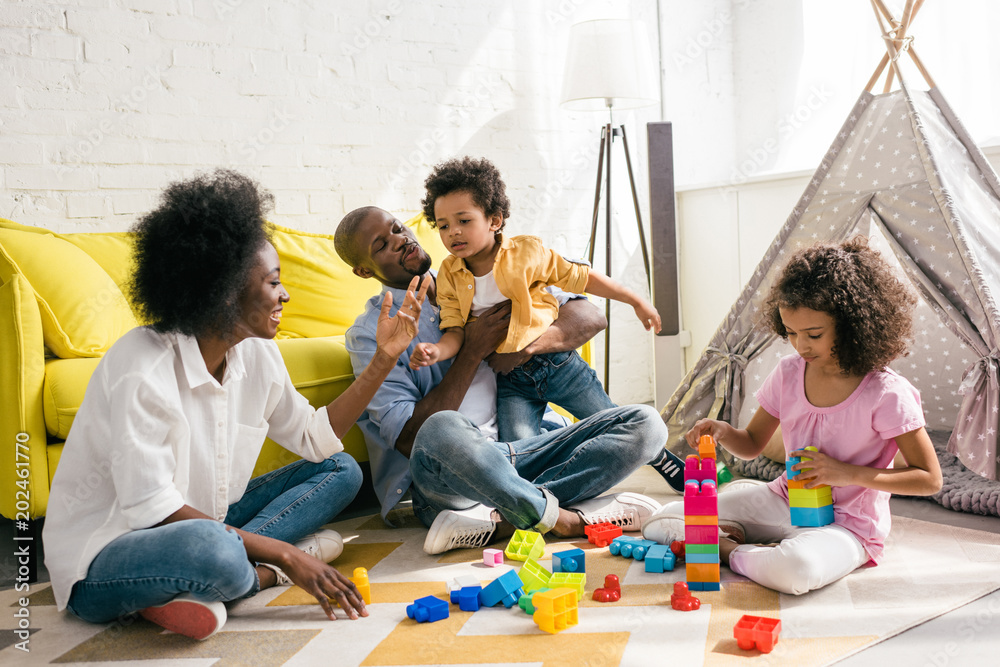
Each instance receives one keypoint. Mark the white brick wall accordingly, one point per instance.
(331, 105)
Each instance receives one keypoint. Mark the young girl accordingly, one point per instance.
(848, 317)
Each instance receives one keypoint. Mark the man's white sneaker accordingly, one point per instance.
(626, 510)
(739, 484)
(460, 529)
(324, 544)
(664, 527)
(188, 616)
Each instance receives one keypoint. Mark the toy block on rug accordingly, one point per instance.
(701, 518)
(807, 507)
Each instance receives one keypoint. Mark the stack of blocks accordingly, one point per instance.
(701, 518)
(808, 507)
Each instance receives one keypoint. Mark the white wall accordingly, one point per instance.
(331, 105)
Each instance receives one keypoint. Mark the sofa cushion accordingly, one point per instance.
(65, 384)
(21, 377)
(112, 251)
(82, 316)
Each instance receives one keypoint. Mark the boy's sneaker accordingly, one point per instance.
(664, 527)
(324, 544)
(740, 483)
(671, 468)
(626, 510)
(460, 529)
(188, 616)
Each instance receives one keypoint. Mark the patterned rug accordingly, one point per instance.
(929, 569)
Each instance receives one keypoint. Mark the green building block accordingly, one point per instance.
(574, 580)
(525, 544)
(533, 575)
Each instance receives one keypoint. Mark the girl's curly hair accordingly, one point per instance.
(872, 309)
(193, 254)
(480, 178)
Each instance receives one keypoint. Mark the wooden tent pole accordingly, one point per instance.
(920, 66)
(878, 73)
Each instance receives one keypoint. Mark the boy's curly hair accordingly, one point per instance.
(872, 309)
(193, 254)
(480, 178)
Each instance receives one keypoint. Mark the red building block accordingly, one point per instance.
(612, 591)
(601, 534)
(678, 548)
(757, 631)
(682, 600)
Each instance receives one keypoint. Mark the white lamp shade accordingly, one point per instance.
(609, 63)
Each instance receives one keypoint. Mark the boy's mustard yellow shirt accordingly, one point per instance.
(523, 269)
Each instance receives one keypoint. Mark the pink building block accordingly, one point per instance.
(492, 557)
(701, 534)
(703, 501)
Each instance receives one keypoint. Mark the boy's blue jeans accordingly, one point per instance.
(149, 567)
(454, 466)
(563, 378)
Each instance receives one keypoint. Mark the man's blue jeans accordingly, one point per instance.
(454, 466)
(149, 567)
(563, 378)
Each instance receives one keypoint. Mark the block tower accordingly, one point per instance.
(809, 507)
(701, 518)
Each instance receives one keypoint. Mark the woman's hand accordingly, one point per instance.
(325, 583)
(822, 469)
(394, 334)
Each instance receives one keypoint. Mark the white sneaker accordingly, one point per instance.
(626, 510)
(740, 483)
(460, 529)
(664, 527)
(324, 544)
(188, 616)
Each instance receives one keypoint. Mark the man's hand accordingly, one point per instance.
(484, 334)
(394, 334)
(505, 363)
(325, 583)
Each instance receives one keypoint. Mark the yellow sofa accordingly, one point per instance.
(62, 305)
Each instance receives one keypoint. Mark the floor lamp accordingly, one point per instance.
(610, 66)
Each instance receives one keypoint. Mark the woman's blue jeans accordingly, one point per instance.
(454, 466)
(149, 567)
(563, 378)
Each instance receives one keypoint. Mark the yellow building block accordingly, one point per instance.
(701, 519)
(556, 609)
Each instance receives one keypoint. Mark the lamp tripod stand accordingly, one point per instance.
(608, 134)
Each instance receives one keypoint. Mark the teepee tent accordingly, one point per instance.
(904, 171)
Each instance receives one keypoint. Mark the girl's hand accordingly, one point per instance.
(822, 469)
(716, 429)
(325, 583)
(394, 334)
(648, 316)
(424, 354)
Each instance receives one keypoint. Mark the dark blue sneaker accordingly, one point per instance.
(671, 468)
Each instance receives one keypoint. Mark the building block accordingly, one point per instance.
(524, 602)
(360, 580)
(630, 547)
(702, 572)
(682, 600)
(659, 558)
(678, 548)
(612, 590)
(706, 448)
(697, 549)
(704, 586)
(812, 516)
(427, 609)
(701, 499)
(492, 557)
(461, 582)
(702, 558)
(467, 598)
(695, 471)
(803, 497)
(533, 575)
(525, 544)
(601, 534)
(701, 520)
(757, 631)
(556, 609)
(569, 560)
(575, 580)
(701, 534)
(506, 589)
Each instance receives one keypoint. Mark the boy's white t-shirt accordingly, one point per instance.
(487, 294)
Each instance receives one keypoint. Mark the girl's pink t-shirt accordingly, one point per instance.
(861, 430)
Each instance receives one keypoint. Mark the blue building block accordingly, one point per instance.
(812, 516)
(506, 589)
(570, 560)
(660, 558)
(467, 597)
(630, 547)
(427, 609)
(701, 558)
(704, 586)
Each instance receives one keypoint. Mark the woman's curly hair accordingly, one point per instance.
(193, 254)
(872, 309)
(480, 178)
